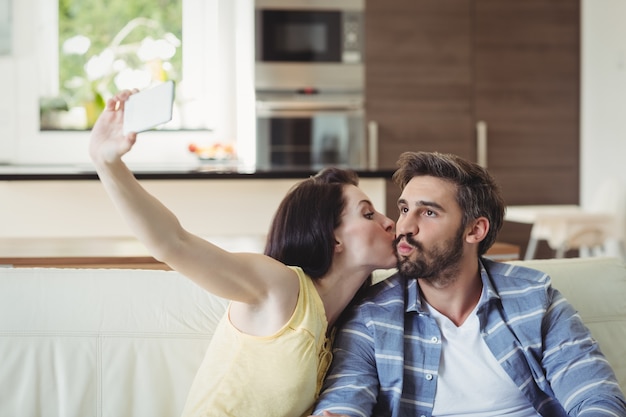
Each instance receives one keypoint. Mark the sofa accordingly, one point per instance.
(127, 343)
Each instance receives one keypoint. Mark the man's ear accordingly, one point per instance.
(477, 231)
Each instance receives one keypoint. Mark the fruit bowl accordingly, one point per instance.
(213, 152)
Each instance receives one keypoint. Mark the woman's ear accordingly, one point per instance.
(478, 230)
(338, 246)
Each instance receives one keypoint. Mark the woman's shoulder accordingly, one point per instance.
(303, 278)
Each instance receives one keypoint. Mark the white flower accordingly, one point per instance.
(171, 38)
(76, 45)
(151, 49)
(99, 65)
(131, 78)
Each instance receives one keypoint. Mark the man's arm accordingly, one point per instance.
(578, 373)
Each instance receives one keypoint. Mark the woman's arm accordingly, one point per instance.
(248, 278)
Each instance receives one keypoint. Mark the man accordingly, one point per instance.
(454, 334)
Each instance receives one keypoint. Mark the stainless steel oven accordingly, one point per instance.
(310, 131)
(309, 44)
(309, 81)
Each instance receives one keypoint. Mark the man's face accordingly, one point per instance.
(429, 236)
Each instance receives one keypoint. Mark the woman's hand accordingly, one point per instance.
(107, 140)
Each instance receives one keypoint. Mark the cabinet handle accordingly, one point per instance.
(481, 143)
(372, 145)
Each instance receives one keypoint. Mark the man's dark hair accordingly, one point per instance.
(478, 194)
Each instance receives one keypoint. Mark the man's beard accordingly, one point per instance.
(438, 265)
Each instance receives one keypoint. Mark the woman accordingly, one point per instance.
(270, 352)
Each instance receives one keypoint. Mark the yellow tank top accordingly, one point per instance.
(274, 376)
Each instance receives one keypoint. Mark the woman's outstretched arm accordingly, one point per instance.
(247, 278)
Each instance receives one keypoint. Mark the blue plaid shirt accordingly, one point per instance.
(386, 355)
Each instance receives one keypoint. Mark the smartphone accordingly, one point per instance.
(149, 108)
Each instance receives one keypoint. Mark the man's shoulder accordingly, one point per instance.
(518, 284)
(382, 303)
(392, 286)
(520, 274)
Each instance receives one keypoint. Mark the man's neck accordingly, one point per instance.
(457, 299)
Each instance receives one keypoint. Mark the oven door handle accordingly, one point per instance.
(308, 112)
(330, 105)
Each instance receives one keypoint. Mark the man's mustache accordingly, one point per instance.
(409, 239)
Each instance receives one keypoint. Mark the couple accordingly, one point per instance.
(450, 334)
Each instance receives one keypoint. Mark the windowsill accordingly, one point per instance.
(48, 130)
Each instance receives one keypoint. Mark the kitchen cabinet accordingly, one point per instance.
(436, 71)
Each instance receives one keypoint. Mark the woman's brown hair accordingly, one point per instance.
(302, 232)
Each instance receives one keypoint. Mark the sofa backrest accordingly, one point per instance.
(98, 342)
(596, 287)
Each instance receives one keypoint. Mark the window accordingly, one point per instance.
(108, 46)
(103, 47)
(214, 98)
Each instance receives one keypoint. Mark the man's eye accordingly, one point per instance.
(430, 213)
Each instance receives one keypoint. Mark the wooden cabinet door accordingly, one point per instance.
(418, 79)
(526, 89)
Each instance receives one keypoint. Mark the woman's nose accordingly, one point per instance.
(388, 224)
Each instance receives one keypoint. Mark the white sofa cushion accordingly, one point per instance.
(100, 342)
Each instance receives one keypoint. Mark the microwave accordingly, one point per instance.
(309, 44)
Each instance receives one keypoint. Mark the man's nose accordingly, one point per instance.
(406, 226)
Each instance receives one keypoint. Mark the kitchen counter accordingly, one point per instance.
(167, 172)
(69, 201)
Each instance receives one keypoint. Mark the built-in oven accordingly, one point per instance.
(310, 131)
(304, 43)
(309, 81)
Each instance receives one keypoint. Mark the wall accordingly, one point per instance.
(603, 127)
(603, 89)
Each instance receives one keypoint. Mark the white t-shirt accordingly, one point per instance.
(471, 382)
